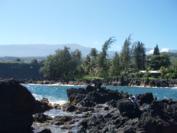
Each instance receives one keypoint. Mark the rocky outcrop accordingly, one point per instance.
(146, 98)
(91, 96)
(40, 117)
(128, 108)
(42, 106)
(119, 112)
(95, 109)
(17, 106)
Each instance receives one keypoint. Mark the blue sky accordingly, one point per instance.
(88, 22)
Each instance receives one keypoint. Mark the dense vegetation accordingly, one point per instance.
(66, 65)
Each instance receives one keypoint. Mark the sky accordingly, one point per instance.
(89, 22)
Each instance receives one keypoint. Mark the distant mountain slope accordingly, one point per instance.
(34, 50)
(43, 50)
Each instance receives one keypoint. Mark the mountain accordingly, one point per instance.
(37, 50)
(43, 50)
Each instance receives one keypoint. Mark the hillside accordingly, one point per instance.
(37, 50)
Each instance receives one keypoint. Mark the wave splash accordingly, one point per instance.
(51, 99)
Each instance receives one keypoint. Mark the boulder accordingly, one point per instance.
(40, 117)
(71, 108)
(154, 124)
(128, 108)
(146, 98)
(17, 106)
(75, 95)
(42, 105)
(91, 96)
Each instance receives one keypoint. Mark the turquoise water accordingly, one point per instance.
(57, 94)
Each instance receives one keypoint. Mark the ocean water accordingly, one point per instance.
(57, 93)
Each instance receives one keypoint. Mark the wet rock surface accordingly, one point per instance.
(89, 110)
(98, 110)
(42, 105)
(17, 106)
(91, 96)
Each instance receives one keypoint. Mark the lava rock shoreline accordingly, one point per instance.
(123, 113)
(93, 109)
(96, 109)
(115, 82)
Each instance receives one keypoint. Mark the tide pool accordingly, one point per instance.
(57, 94)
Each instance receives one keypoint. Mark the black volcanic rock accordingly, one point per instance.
(17, 106)
(124, 113)
(146, 98)
(40, 117)
(128, 108)
(92, 96)
(42, 106)
(45, 131)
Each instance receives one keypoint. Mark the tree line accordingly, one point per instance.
(70, 65)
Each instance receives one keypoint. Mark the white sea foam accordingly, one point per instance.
(37, 97)
(60, 102)
(174, 87)
(31, 84)
(56, 84)
(59, 84)
(52, 100)
(57, 112)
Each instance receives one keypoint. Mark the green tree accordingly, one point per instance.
(126, 53)
(77, 54)
(87, 65)
(115, 68)
(76, 63)
(61, 65)
(139, 55)
(93, 62)
(158, 61)
(93, 53)
(163, 72)
(103, 62)
(156, 50)
(34, 61)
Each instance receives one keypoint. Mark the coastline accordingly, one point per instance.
(54, 97)
(108, 108)
(93, 105)
(84, 84)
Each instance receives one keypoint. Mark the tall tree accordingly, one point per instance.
(106, 46)
(139, 55)
(93, 52)
(77, 54)
(102, 57)
(93, 62)
(158, 61)
(156, 50)
(61, 65)
(126, 53)
(115, 67)
(87, 65)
